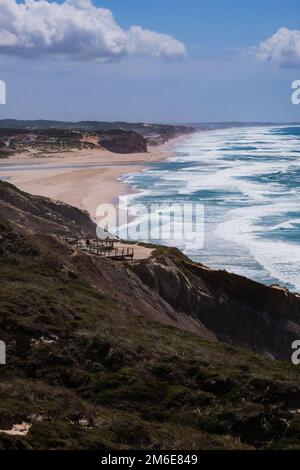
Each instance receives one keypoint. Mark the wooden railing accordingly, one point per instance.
(113, 253)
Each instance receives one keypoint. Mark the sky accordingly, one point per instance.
(159, 61)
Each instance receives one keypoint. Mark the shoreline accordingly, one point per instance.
(82, 178)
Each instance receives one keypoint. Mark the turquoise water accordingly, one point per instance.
(249, 182)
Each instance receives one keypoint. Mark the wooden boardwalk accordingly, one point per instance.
(103, 248)
(117, 254)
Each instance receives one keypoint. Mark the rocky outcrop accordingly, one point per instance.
(119, 141)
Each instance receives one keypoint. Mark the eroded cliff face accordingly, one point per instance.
(119, 141)
(237, 310)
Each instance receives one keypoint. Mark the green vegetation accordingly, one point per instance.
(87, 373)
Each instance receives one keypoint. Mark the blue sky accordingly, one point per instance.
(214, 23)
(223, 76)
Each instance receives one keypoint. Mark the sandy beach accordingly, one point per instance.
(82, 178)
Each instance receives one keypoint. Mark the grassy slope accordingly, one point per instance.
(76, 355)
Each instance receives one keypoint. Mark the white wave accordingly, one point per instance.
(289, 224)
(244, 168)
(280, 259)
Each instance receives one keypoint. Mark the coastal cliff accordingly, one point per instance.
(160, 353)
(42, 143)
(235, 309)
(43, 138)
(119, 141)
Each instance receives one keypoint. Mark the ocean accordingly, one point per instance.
(248, 179)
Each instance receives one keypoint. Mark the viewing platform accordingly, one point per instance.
(104, 248)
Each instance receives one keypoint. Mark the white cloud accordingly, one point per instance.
(283, 48)
(77, 29)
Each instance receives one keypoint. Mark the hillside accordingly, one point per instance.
(42, 143)
(136, 355)
(54, 136)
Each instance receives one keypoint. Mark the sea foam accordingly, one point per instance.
(248, 180)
